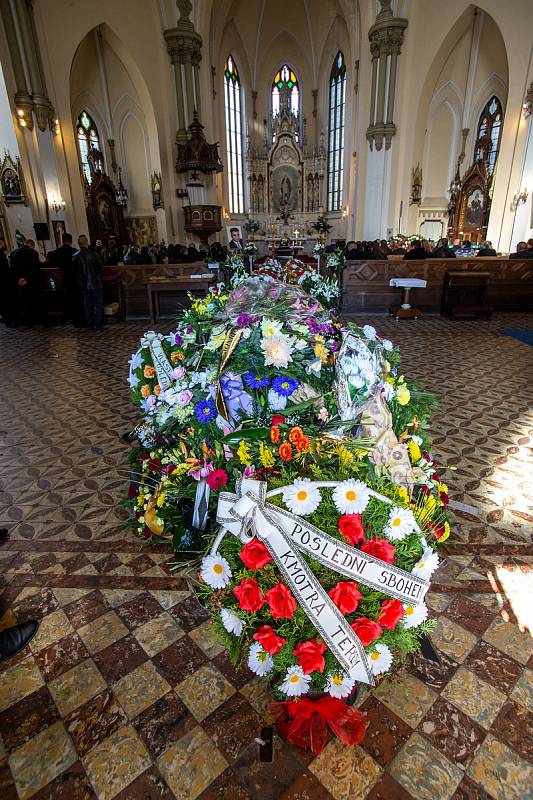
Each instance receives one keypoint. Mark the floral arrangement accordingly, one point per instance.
(271, 268)
(252, 225)
(250, 249)
(325, 290)
(336, 260)
(293, 432)
(318, 249)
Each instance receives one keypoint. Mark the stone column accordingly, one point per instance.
(184, 46)
(386, 38)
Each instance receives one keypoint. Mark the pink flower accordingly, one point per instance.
(249, 471)
(185, 397)
(177, 373)
(200, 471)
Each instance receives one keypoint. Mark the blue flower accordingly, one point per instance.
(284, 386)
(255, 381)
(205, 411)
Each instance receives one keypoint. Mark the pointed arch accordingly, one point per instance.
(337, 105)
(233, 108)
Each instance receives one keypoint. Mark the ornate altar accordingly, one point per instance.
(104, 216)
(12, 180)
(472, 205)
(285, 178)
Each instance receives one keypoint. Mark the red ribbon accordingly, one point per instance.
(305, 722)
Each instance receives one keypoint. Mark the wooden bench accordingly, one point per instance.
(155, 287)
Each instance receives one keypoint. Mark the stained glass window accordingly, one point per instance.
(234, 127)
(337, 100)
(286, 77)
(488, 134)
(87, 133)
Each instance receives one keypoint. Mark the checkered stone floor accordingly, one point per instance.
(123, 695)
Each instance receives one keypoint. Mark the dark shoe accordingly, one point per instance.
(15, 639)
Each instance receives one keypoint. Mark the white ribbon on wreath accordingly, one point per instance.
(247, 514)
(162, 365)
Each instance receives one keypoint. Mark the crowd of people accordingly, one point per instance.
(418, 248)
(81, 271)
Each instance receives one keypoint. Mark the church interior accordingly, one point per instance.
(260, 177)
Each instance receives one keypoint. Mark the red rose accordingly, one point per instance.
(351, 527)
(255, 555)
(269, 639)
(249, 595)
(379, 548)
(310, 656)
(281, 601)
(216, 479)
(443, 497)
(277, 419)
(346, 596)
(366, 630)
(391, 614)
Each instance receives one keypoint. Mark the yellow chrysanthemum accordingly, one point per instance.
(403, 395)
(345, 457)
(321, 352)
(414, 451)
(266, 457)
(402, 493)
(161, 500)
(243, 451)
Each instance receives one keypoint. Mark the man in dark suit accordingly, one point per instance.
(25, 266)
(88, 269)
(63, 259)
(235, 241)
(523, 250)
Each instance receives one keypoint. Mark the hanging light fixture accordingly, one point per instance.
(121, 193)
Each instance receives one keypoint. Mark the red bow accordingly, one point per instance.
(305, 722)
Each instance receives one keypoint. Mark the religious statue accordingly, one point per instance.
(157, 191)
(285, 191)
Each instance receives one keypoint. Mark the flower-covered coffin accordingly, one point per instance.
(300, 450)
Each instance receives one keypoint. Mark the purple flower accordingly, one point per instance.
(189, 329)
(178, 339)
(333, 346)
(205, 411)
(184, 397)
(313, 326)
(255, 381)
(244, 320)
(177, 373)
(284, 386)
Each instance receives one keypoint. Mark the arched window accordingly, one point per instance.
(87, 133)
(337, 99)
(285, 77)
(489, 132)
(233, 108)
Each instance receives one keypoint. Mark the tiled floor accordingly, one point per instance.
(123, 695)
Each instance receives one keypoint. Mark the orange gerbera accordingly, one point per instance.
(302, 444)
(157, 389)
(177, 355)
(274, 434)
(296, 434)
(149, 372)
(145, 390)
(285, 451)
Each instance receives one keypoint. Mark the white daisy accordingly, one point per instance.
(259, 660)
(277, 350)
(295, 683)
(271, 327)
(351, 497)
(401, 523)
(414, 615)
(369, 332)
(302, 497)
(339, 684)
(215, 571)
(427, 565)
(231, 622)
(380, 659)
